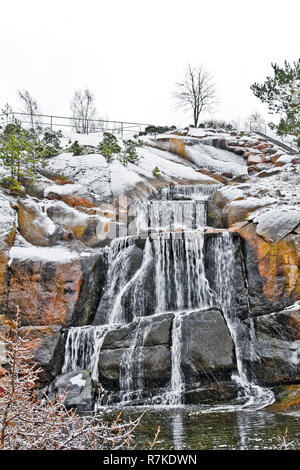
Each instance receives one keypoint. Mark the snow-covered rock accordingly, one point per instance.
(275, 224)
(79, 387)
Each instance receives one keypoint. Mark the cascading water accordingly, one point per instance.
(192, 191)
(256, 397)
(172, 262)
(82, 349)
(174, 397)
(169, 216)
(180, 272)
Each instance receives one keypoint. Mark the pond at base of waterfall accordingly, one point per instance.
(196, 428)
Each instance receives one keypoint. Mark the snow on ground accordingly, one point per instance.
(83, 139)
(64, 189)
(283, 187)
(214, 159)
(92, 172)
(202, 153)
(195, 132)
(169, 168)
(43, 254)
(7, 216)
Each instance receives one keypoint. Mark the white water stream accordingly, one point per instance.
(180, 286)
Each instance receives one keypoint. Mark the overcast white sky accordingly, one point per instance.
(130, 53)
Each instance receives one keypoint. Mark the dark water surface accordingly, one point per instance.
(195, 428)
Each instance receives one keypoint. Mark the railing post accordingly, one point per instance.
(121, 129)
(51, 122)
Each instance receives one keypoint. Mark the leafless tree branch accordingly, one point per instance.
(196, 92)
(83, 110)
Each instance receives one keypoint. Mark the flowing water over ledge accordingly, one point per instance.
(174, 326)
(194, 428)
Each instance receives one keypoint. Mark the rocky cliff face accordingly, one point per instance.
(268, 221)
(54, 261)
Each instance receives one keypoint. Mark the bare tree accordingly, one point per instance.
(196, 92)
(7, 114)
(83, 111)
(30, 106)
(256, 122)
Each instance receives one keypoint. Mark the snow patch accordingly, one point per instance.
(43, 254)
(78, 380)
(64, 189)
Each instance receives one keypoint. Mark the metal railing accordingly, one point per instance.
(280, 141)
(79, 125)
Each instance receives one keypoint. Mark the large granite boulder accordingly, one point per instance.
(141, 353)
(208, 354)
(144, 345)
(79, 388)
(34, 224)
(55, 286)
(274, 224)
(277, 347)
(46, 290)
(272, 269)
(90, 225)
(46, 345)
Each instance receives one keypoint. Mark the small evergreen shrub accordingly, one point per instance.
(20, 153)
(156, 171)
(216, 124)
(52, 137)
(10, 183)
(157, 130)
(76, 149)
(109, 146)
(129, 154)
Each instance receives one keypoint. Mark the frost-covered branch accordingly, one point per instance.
(28, 421)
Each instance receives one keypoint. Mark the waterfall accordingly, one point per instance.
(126, 371)
(164, 274)
(168, 216)
(257, 397)
(83, 344)
(117, 276)
(193, 191)
(181, 283)
(117, 313)
(177, 382)
(82, 349)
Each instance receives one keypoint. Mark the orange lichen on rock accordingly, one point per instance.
(74, 201)
(177, 146)
(46, 292)
(288, 398)
(278, 264)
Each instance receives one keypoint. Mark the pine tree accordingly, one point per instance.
(20, 152)
(281, 93)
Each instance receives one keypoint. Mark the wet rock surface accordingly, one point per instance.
(78, 387)
(207, 347)
(278, 347)
(46, 343)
